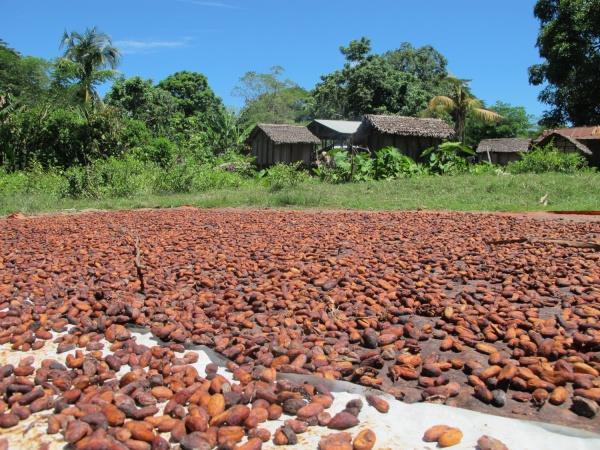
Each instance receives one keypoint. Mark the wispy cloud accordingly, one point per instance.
(210, 4)
(130, 46)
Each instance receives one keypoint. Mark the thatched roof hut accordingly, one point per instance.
(410, 135)
(585, 140)
(502, 150)
(274, 143)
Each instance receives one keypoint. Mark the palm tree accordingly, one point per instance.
(87, 57)
(459, 103)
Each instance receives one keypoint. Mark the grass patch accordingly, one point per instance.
(487, 192)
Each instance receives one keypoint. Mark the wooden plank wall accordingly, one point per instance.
(268, 153)
(411, 146)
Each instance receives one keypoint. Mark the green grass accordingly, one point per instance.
(462, 193)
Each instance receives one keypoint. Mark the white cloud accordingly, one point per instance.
(210, 4)
(129, 46)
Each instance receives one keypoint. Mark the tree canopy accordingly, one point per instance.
(143, 101)
(90, 59)
(460, 103)
(515, 123)
(400, 81)
(192, 93)
(268, 98)
(569, 43)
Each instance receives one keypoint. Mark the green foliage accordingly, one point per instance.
(282, 176)
(459, 103)
(425, 63)
(484, 168)
(548, 159)
(270, 99)
(357, 50)
(25, 77)
(447, 159)
(34, 181)
(111, 178)
(208, 178)
(159, 150)
(193, 96)
(66, 136)
(515, 123)
(143, 101)
(569, 43)
(390, 164)
(339, 168)
(89, 59)
(400, 82)
(223, 132)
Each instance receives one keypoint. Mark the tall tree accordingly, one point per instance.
(269, 98)
(141, 100)
(569, 43)
(426, 63)
(24, 77)
(400, 81)
(357, 50)
(90, 58)
(192, 94)
(459, 103)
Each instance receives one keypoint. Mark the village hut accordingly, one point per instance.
(410, 135)
(502, 150)
(334, 133)
(584, 140)
(275, 143)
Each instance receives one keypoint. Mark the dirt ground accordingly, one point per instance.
(426, 306)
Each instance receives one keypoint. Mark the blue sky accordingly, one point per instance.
(491, 43)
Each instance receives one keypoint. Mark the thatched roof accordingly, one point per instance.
(406, 126)
(285, 134)
(503, 145)
(577, 143)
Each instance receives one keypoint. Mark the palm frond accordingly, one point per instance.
(441, 101)
(474, 103)
(486, 115)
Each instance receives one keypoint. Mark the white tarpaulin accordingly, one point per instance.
(401, 428)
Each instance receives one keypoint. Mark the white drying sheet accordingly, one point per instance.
(401, 428)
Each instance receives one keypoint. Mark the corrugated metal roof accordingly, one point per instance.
(340, 126)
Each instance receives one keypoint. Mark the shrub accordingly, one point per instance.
(548, 159)
(390, 163)
(110, 178)
(339, 166)
(36, 180)
(447, 159)
(159, 150)
(177, 178)
(484, 168)
(233, 161)
(281, 176)
(213, 178)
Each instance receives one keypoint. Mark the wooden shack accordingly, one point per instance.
(584, 140)
(410, 135)
(334, 133)
(274, 143)
(502, 150)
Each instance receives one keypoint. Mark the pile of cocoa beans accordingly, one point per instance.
(452, 308)
(152, 397)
